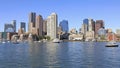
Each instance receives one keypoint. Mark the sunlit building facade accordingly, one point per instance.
(52, 26)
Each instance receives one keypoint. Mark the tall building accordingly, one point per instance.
(88, 25)
(52, 26)
(64, 26)
(39, 25)
(32, 21)
(20, 31)
(10, 27)
(99, 24)
(44, 27)
(91, 25)
(14, 25)
(84, 27)
(23, 26)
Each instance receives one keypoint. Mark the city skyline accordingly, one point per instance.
(73, 11)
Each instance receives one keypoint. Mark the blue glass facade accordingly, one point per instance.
(86, 22)
(64, 26)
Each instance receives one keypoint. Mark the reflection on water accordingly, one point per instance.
(59, 55)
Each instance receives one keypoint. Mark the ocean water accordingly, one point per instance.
(59, 55)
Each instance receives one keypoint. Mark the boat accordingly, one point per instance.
(112, 43)
(56, 40)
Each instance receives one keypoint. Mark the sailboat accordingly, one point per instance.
(112, 43)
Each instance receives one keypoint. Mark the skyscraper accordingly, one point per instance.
(64, 26)
(14, 25)
(88, 25)
(91, 25)
(23, 26)
(44, 27)
(99, 24)
(32, 20)
(39, 25)
(84, 28)
(10, 27)
(52, 26)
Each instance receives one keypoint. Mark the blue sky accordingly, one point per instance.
(72, 10)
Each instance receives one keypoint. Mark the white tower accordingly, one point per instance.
(52, 26)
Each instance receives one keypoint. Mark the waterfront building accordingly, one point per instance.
(109, 30)
(118, 31)
(111, 36)
(32, 21)
(23, 26)
(118, 34)
(99, 24)
(52, 26)
(64, 26)
(89, 36)
(20, 31)
(44, 27)
(3, 35)
(73, 31)
(101, 31)
(76, 36)
(39, 25)
(35, 31)
(10, 34)
(101, 35)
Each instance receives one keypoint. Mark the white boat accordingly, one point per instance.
(112, 43)
(56, 40)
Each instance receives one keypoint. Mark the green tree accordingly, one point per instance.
(48, 37)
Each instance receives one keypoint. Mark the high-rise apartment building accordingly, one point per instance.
(52, 26)
(99, 24)
(14, 25)
(32, 21)
(64, 26)
(39, 25)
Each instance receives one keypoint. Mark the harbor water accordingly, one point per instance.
(59, 55)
